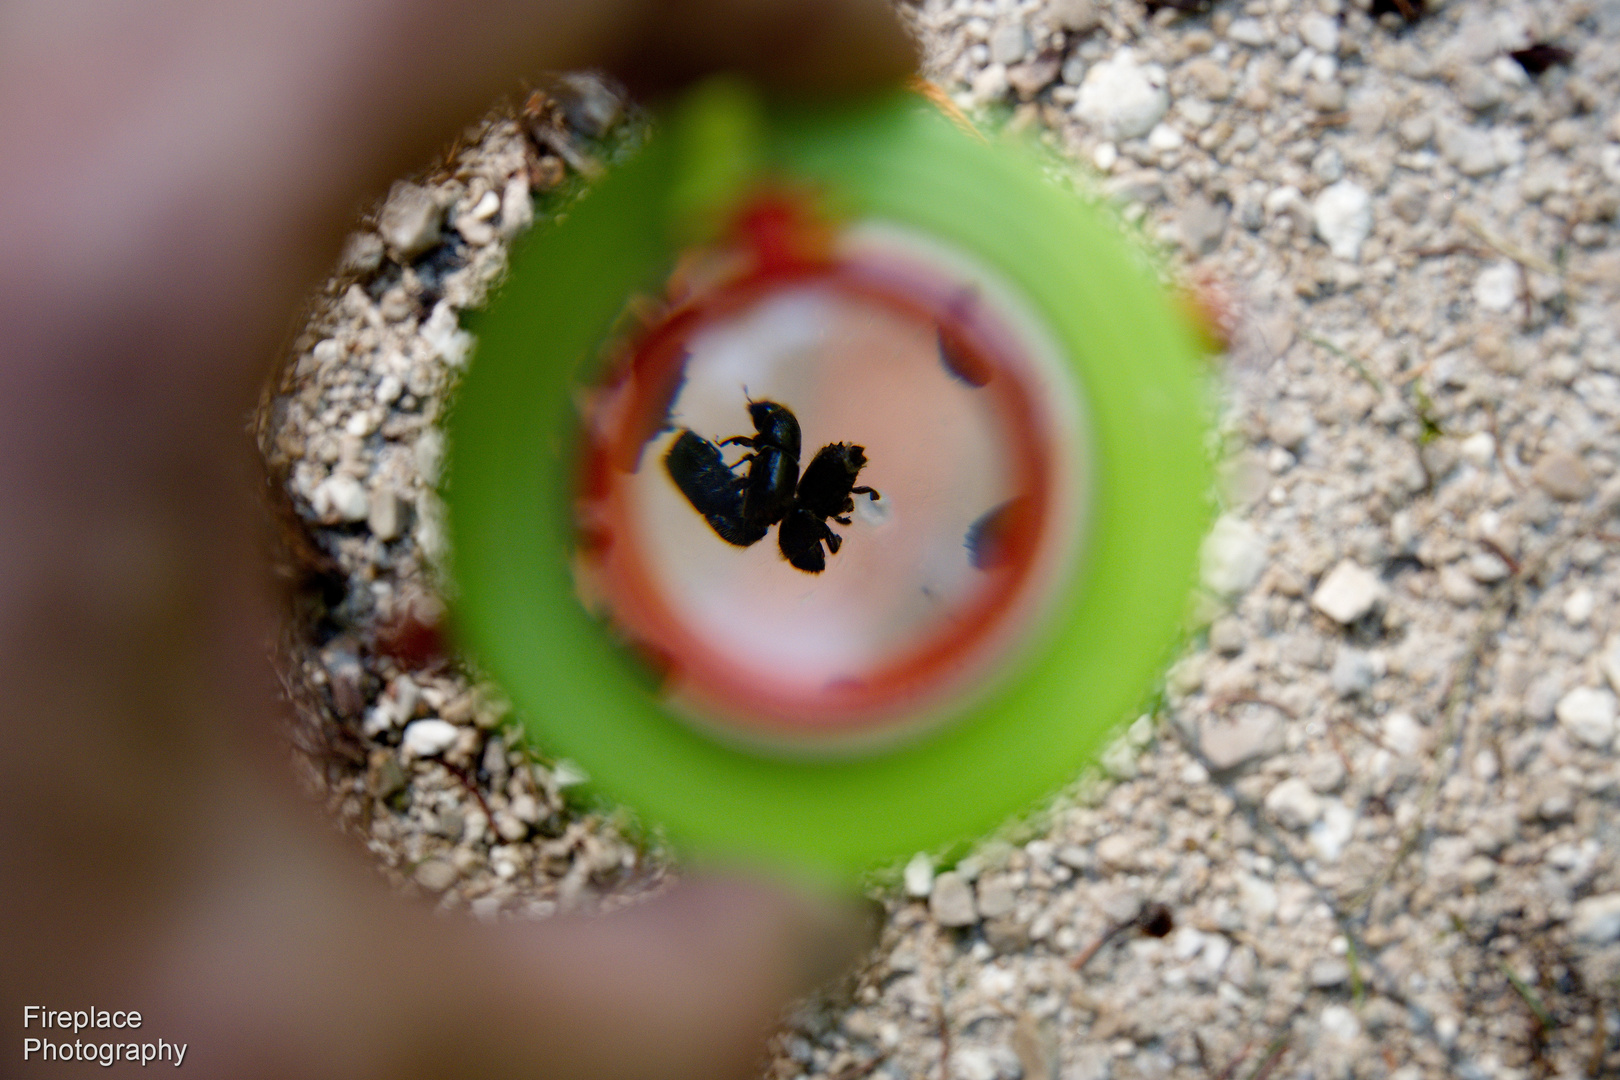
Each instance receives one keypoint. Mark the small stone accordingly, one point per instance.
(517, 206)
(1328, 972)
(1029, 79)
(362, 254)
(1232, 557)
(388, 515)
(1228, 745)
(1596, 920)
(1209, 77)
(1293, 804)
(476, 231)
(510, 827)
(1415, 132)
(1471, 150)
(340, 498)
(1338, 1022)
(1478, 870)
(1164, 138)
(1226, 636)
(1563, 476)
(996, 897)
(1348, 593)
(1335, 829)
(1122, 98)
(1325, 772)
(410, 220)
(990, 84)
(389, 390)
(1076, 857)
(919, 876)
(1247, 31)
(435, 875)
(1488, 567)
(1258, 897)
(1117, 851)
(1075, 16)
(1354, 672)
(1342, 214)
(1008, 44)
(428, 738)
(589, 104)
(1609, 662)
(1459, 586)
(443, 335)
(951, 902)
(387, 778)
(526, 808)
(1202, 223)
(1325, 97)
(1320, 32)
(1007, 936)
(1404, 735)
(1479, 449)
(1497, 286)
(1477, 90)
(1579, 606)
(973, 1063)
(1589, 715)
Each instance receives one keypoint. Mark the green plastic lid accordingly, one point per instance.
(823, 258)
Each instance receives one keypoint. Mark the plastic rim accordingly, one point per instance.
(510, 489)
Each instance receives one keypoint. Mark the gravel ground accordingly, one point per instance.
(1373, 825)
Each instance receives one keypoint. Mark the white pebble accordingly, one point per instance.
(389, 389)
(951, 901)
(1164, 138)
(517, 206)
(1333, 831)
(1339, 1023)
(386, 519)
(919, 875)
(1497, 286)
(1008, 43)
(1404, 735)
(428, 738)
(1248, 31)
(1596, 919)
(1479, 449)
(1342, 214)
(410, 220)
(341, 497)
(443, 335)
(1293, 804)
(1232, 556)
(1588, 715)
(1348, 593)
(485, 207)
(1320, 32)
(1122, 98)
(1609, 661)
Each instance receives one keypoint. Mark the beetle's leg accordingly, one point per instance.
(738, 440)
(834, 541)
(866, 491)
(842, 520)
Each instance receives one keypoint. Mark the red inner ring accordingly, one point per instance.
(708, 682)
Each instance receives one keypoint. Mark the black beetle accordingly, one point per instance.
(741, 509)
(713, 489)
(826, 490)
(774, 468)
